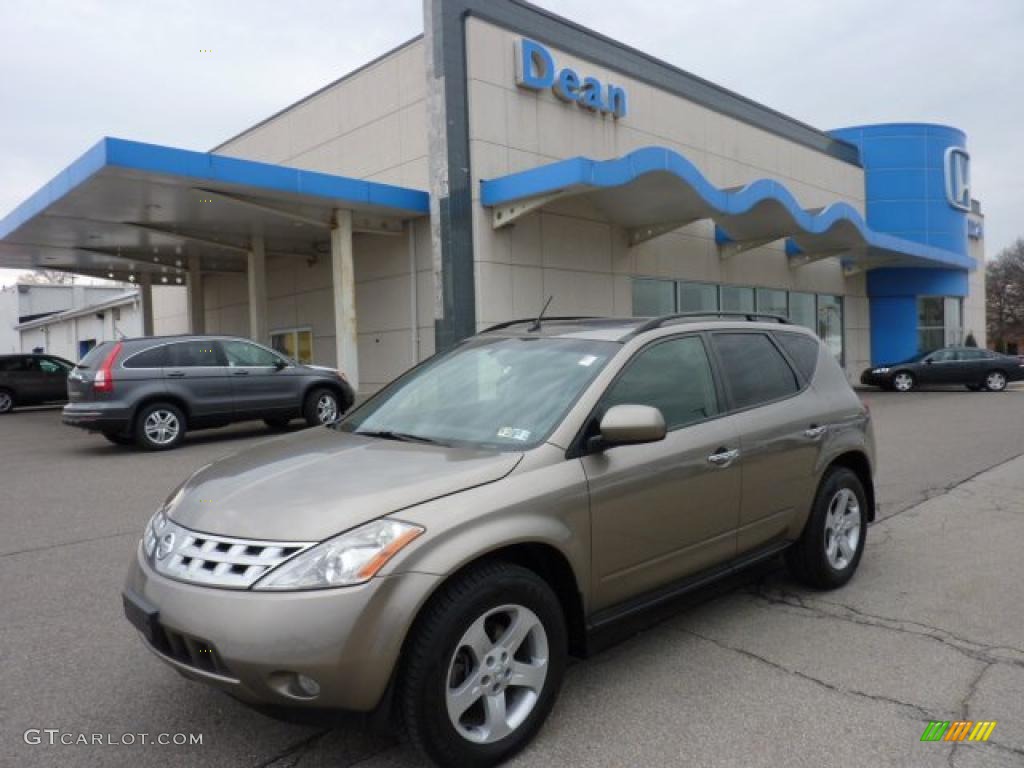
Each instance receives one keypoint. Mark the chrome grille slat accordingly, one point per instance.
(222, 561)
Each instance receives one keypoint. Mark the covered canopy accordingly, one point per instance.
(654, 190)
(124, 209)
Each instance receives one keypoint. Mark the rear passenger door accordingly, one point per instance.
(197, 372)
(776, 415)
(263, 382)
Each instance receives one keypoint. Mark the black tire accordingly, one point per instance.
(995, 381)
(311, 406)
(430, 661)
(808, 558)
(900, 377)
(144, 440)
(277, 422)
(119, 438)
(7, 402)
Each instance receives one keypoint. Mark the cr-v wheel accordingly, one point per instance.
(159, 427)
(321, 407)
(903, 381)
(483, 666)
(830, 547)
(995, 381)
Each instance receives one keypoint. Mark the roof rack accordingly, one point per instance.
(752, 317)
(510, 323)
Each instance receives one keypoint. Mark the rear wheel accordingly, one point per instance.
(159, 427)
(6, 401)
(321, 407)
(903, 381)
(119, 438)
(483, 667)
(829, 550)
(995, 381)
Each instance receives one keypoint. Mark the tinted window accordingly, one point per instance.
(95, 355)
(674, 377)
(193, 354)
(943, 356)
(12, 364)
(242, 355)
(150, 358)
(46, 365)
(802, 350)
(754, 369)
(973, 354)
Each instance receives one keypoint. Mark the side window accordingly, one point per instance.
(802, 350)
(673, 376)
(9, 364)
(943, 356)
(193, 354)
(46, 365)
(149, 358)
(241, 354)
(754, 369)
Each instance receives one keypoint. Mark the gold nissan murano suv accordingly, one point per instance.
(438, 554)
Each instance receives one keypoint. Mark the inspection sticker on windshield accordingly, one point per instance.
(587, 360)
(511, 433)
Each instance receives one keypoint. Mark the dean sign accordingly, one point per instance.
(536, 70)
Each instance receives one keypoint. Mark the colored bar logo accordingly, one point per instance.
(958, 730)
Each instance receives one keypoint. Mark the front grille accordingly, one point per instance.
(190, 651)
(219, 561)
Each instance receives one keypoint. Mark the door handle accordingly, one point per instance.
(176, 375)
(813, 432)
(723, 458)
(240, 373)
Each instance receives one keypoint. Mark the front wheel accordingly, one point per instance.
(321, 407)
(159, 427)
(903, 381)
(995, 381)
(830, 547)
(483, 667)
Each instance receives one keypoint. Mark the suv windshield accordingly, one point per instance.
(505, 393)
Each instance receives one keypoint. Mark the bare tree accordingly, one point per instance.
(48, 277)
(1005, 296)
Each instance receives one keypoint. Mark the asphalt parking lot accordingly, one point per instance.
(762, 673)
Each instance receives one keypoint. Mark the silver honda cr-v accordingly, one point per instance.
(439, 553)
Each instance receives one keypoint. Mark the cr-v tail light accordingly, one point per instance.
(104, 381)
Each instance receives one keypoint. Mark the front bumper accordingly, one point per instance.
(872, 379)
(96, 417)
(253, 644)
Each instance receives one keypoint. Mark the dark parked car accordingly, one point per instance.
(32, 379)
(149, 391)
(978, 369)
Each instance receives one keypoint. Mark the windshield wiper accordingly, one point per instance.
(404, 437)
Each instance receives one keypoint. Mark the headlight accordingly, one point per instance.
(352, 558)
(880, 370)
(152, 533)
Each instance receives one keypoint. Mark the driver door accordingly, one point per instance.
(662, 511)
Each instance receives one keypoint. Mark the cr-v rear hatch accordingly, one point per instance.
(82, 377)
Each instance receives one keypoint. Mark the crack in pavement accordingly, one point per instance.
(71, 543)
(298, 749)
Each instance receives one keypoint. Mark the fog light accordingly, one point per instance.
(307, 685)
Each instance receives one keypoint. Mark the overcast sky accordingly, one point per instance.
(74, 71)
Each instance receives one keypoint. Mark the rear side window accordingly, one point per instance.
(96, 355)
(802, 350)
(194, 354)
(149, 358)
(12, 364)
(755, 371)
(673, 376)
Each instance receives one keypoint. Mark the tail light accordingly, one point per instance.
(104, 381)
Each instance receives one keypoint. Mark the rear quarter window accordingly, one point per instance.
(802, 350)
(754, 369)
(149, 358)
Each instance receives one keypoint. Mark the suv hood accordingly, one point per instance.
(318, 483)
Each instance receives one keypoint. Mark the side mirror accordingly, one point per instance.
(928, 361)
(280, 364)
(630, 425)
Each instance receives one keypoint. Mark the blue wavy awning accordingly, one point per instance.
(656, 188)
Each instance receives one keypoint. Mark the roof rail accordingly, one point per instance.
(752, 317)
(510, 323)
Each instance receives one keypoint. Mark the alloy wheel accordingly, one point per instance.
(161, 427)
(497, 673)
(327, 409)
(995, 382)
(903, 382)
(842, 528)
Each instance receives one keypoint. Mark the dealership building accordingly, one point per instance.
(506, 156)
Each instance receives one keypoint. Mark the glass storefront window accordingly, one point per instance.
(801, 310)
(772, 302)
(939, 322)
(698, 297)
(652, 298)
(296, 344)
(953, 316)
(830, 324)
(737, 299)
